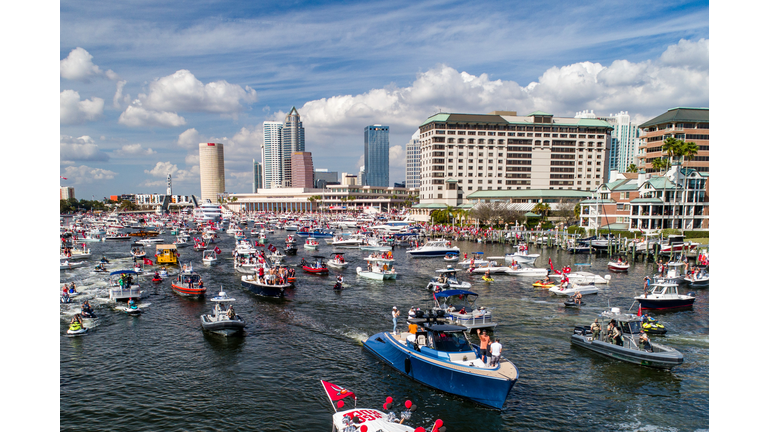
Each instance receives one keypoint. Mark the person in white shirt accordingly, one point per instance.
(495, 352)
(395, 314)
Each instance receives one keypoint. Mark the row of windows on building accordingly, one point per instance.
(485, 128)
(678, 126)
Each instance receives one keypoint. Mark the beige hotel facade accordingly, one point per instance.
(464, 153)
(211, 171)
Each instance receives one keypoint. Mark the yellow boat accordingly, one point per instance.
(166, 254)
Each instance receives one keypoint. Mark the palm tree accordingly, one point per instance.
(659, 164)
(687, 149)
(671, 146)
(541, 209)
(632, 168)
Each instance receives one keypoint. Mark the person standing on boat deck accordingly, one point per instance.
(395, 314)
(595, 327)
(646, 285)
(231, 312)
(615, 334)
(495, 353)
(484, 341)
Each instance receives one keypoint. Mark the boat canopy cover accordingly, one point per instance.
(123, 272)
(450, 293)
(445, 327)
(165, 246)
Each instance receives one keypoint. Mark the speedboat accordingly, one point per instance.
(377, 271)
(373, 245)
(316, 233)
(665, 295)
(311, 244)
(451, 257)
(188, 283)
(476, 260)
(350, 241)
(527, 271)
(440, 356)
(459, 308)
(67, 265)
(582, 277)
(209, 257)
(138, 252)
(338, 261)
(618, 266)
(318, 266)
(124, 285)
(221, 321)
(492, 267)
(631, 349)
(368, 419)
(572, 289)
(522, 256)
(433, 248)
(446, 279)
(263, 287)
(698, 279)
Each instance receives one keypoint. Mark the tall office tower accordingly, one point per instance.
(292, 141)
(271, 155)
(211, 171)
(413, 162)
(361, 176)
(626, 137)
(258, 176)
(376, 155)
(302, 172)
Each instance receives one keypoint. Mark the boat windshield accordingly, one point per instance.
(632, 327)
(451, 342)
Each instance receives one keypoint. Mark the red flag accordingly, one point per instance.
(640, 310)
(337, 393)
(63, 178)
(147, 261)
(217, 250)
(552, 266)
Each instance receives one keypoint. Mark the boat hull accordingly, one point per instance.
(662, 360)
(483, 389)
(187, 291)
(224, 328)
(431, 253)
(274, 291)
(661, 304)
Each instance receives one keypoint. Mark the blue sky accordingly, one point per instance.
(142, 82)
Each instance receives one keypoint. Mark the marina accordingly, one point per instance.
(314, 332)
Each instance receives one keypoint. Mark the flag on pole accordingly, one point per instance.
(63, 178)
(217, 250)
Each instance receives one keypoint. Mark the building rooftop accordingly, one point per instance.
(512, 119)
(694, 115)
(530, 193)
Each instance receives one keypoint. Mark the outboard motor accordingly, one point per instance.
(440, 313)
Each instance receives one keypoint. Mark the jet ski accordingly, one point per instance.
(156, 278)
(75, 329)
(651, 326)
(572, 303)
(487, 278)
(86, 311)
(131, 309)
(542, 284)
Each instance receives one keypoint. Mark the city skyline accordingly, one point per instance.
(134, 104)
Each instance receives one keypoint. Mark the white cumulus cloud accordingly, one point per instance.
(162, 169)
(78, 65)
(396, 156)
(85, 175)
(138, 116)
(181, 91)
(134, 150)
(82, 148)
(190, 138)
(72, 110)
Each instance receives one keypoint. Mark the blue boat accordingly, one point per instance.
(316, 233)
(440, 356)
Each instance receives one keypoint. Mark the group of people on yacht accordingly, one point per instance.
(275, 276)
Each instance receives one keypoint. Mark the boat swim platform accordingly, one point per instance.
(506, 368)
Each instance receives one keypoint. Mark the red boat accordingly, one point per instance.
(189, 284)
(317, 266)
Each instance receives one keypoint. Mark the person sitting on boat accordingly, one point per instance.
(563, 283)
(132, 304)
(577, 298)
(547, 280)
(200, 284)
(487, 274)
(646, 341)
(463, 311)
(231, 312)
(441, 279)
(595, 327)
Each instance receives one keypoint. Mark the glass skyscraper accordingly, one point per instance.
(281, 140)
(376, 155)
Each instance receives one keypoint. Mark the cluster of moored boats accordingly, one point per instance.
(436, 350)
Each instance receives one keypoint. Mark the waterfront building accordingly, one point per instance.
(324, 177)
(413, 162)
(376, 155)
(292, 141)
(679, 199)
(66, 192)
(687, 124)
(271, 154)
(332, 198)
(464, 153)
(211, 171)
(258, 176)
(302, 172)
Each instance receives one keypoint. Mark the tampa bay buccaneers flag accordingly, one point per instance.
(336, 393)
(217, 250)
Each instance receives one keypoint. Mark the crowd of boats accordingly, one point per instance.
(436, 350)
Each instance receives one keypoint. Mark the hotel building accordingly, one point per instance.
(376, 154)
(211, 171)
(687, 124)
(464, 153)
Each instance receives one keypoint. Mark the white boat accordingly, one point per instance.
(698, 279)
(150, 241)
(477, 259)
(572, 288)
(665, 295)
(491, 266)
(181, 241)
(618, 266)
(138, 252)
(522, 258)
(384, 259)
(127, 289)
(209, 257)
(337, 261)
(451, 257)
(311, 244)
(68, 265)
(582, 277)
(348, 241)
(447, 279)
(373, 245)
(378, 272)
(460, 309)
(221, 320)
(527, 271)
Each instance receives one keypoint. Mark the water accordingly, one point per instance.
(160, 371)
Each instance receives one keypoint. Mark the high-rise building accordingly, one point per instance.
(464, 153)
(258, 176)
(687, 124)
(361, 176)
(413, 162)
(271, 155)
(376, 155)
(624, 142)
(323, 177)
(302, 171)
(292, 141)
(211, 171)
(281, 140)
(66, 192)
